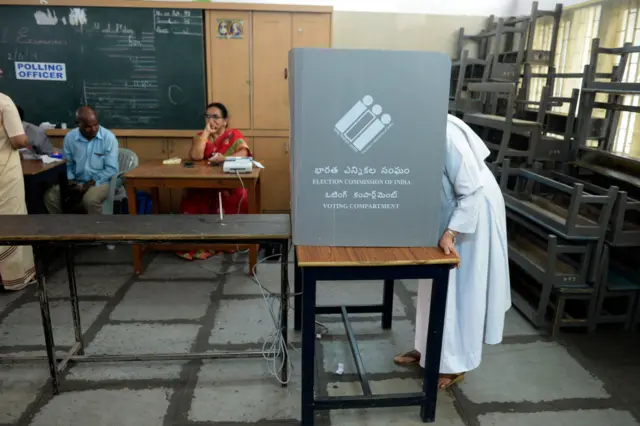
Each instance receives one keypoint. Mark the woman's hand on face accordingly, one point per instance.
(209, 130)
(447, 245)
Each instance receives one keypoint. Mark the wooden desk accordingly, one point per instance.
(62, 232)
(315, 264)
(37, 176)
(155, 175)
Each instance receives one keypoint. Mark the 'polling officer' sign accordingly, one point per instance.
(42, 71)
(368, 139)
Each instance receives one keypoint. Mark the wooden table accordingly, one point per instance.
(37, 176)
(65, 231)
(315, 264)
(155, 175)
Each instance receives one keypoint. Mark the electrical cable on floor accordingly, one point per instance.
(274, 347)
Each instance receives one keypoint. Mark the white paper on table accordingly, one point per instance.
(48, 160)
(46, 125)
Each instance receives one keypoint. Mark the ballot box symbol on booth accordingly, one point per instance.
(363, 124)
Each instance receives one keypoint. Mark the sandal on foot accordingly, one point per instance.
(185, 255)
(453, 379)
(409, 358)
(203, 255)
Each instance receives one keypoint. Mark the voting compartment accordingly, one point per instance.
(368, 134)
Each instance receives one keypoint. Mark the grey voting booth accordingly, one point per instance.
(368, 133)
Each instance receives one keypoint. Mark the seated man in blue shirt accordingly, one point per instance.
(91, 152)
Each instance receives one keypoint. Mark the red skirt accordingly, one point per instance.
(205, 201)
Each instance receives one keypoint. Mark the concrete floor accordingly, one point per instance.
(212, 305)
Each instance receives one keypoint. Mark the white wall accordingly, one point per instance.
(431, 7)
(523, 7)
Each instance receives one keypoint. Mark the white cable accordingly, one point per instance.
(274, 347)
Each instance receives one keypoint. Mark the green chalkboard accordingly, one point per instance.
(140, 68)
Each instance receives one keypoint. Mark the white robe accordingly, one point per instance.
(479, 294)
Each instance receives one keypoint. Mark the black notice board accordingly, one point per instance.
(140, 68)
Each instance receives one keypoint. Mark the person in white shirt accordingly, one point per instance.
(38, 140)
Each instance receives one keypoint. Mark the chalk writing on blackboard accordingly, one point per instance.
(24, 38)
(47, 17)
(177, 22)
(176, 94)
(77, 17)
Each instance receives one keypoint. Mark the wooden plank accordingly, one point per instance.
(481, 118)
(174, 5)
(372, 256)
(615, 87)
(614, 174)
(491, 87)
(25, 229)
(200, 170)
(33, 167)
(538, 255)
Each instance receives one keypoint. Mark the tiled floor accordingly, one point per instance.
(212, 305)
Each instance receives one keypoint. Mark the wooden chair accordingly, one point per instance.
(489, 93)
(616, 280)
(463, 72)
(616, 90)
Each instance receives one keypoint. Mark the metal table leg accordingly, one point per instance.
(433, 350)
(46, 321)
(308, 347)
(387, 304)
(297, 293)
(73, 293)
(284, 310)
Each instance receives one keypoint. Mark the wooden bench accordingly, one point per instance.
(555, 205)
(67, 231)
(558, 266)
(624, 225)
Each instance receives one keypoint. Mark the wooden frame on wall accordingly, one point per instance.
(174, 5)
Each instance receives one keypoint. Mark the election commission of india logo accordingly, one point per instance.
(363, 124)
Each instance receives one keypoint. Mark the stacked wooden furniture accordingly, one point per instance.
(249, 75)
(510, 42)
(485, 90)
(464, 71)
(615, 89)
(488, 119)
(574, 218)
(555, 238)
(619, 296)
(535, 55)
(557, 128)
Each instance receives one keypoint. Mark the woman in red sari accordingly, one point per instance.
(215, 143)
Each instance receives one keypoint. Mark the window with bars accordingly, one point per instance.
(576, 30)
(627, 26)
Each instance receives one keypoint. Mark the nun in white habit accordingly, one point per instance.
(472, 225)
